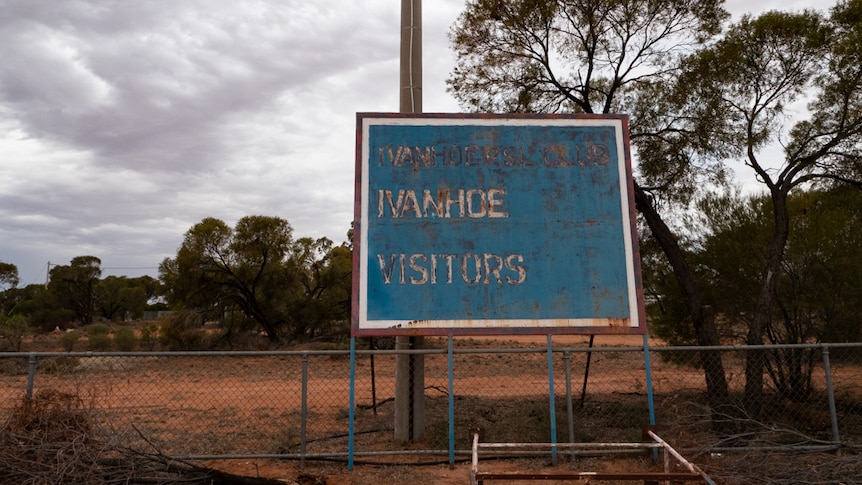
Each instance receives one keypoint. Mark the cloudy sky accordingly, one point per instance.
(124, 123)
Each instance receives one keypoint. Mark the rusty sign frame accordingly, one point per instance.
(476, 224)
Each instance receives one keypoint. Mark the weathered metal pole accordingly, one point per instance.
(410, 368)
(411, 56)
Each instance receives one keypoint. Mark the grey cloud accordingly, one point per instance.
(127, 122)
(148, 94)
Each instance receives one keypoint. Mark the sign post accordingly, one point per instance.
(410, 368)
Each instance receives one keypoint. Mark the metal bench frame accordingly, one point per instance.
(693, 473)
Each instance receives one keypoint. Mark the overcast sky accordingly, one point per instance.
(124, 123)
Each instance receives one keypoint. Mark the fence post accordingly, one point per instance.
(352, 411)
(830, 395)
(31, 375)
(552, 404)
(650, 400)
(450, 365)
(570, 413)
(304, 413)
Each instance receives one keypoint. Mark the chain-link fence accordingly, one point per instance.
(297, 404)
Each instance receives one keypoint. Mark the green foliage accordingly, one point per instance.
(149, 336)
(8, 275)
(604, 56)
(74, 286)
(741, 88)
(817, 298)
(816, 288)
(321, 301)
(294, 289)
(98, 337)
(182, 331)
(125, 339)
(13, 329)
(69, 339)
(40, 305)
(570, 56)
(98, 329)
(118, 296)
(666, 310)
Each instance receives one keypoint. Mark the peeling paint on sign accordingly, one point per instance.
(494, 224)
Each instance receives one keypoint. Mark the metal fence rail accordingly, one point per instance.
(297, 404)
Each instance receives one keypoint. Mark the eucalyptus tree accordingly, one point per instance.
(120, 296)
(74, 286)
(605, 56)
(292, 289)
(218, 268)
(816, 295)
(8, 275)
(8, 284)
(321, 297)
(754, 79)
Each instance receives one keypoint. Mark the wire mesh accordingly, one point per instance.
(252, 403)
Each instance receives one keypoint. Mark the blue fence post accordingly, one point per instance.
(570, 412)
(650, 400)
(451, 405)
(552, 402)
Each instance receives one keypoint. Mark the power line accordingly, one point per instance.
(130, 267)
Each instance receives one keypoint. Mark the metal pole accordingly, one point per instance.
(474, 461)
(830, 393)
(373, 381)
(587, 372)
(410, 368)
(304, 412)
(451, 405)
(570, 413)
(411, 57)
(351, 413)
(31, 376)
(552, 403)
(650, 400)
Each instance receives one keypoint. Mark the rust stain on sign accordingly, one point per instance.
(494, 224)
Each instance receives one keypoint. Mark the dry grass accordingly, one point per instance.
(55, 438)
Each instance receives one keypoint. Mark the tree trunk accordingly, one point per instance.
(701, 316)
(756, 360)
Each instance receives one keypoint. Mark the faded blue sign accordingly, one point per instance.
(494, 225)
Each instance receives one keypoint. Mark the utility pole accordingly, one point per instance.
(411, 57)
(410, 368)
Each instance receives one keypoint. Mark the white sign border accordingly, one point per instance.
(504, 326)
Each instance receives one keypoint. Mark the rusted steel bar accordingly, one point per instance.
(694, 473)
(645, 446)
(645, 476)
(688, 465)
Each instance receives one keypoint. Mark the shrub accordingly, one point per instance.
(149, 334)
(99, 337)
(59, 365)
(124, 339)
(182, 332)
(68, 340)
(13, 329)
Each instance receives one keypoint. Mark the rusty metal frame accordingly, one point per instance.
(504, 325)
(693, 473)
